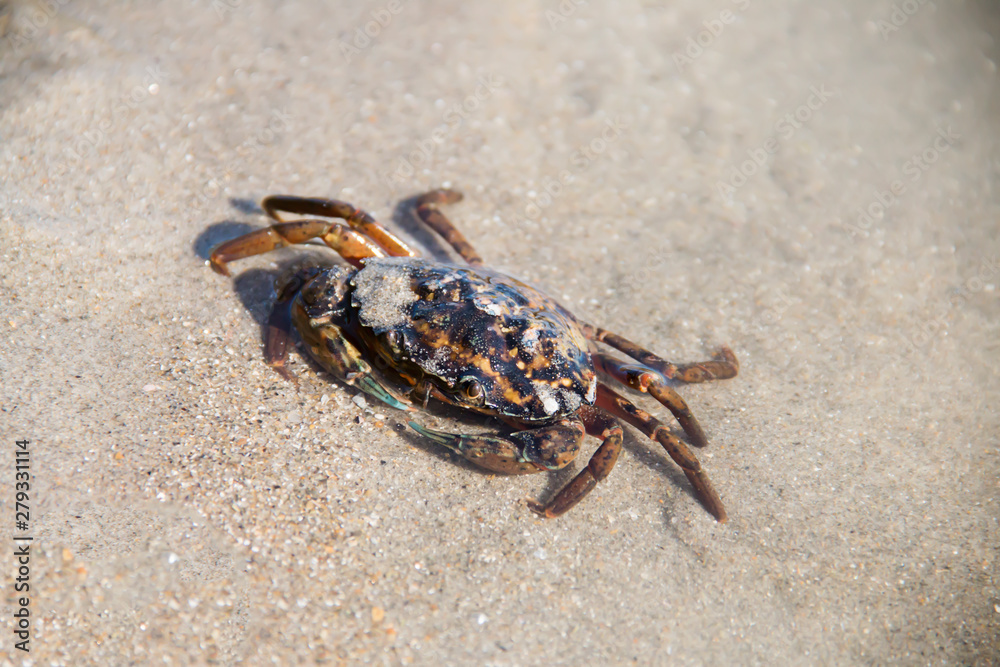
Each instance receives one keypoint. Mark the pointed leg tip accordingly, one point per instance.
(285, 373)
(219, 267)
(695, 433)
(716, 509)
(726, 354)
(539, 509)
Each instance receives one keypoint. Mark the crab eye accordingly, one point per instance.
(472, 390)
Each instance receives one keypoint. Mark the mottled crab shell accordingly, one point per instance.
(459, 323)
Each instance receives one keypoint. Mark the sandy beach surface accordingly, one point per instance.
(814, 184)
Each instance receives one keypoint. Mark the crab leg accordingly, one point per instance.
(332, 208)
(722, 367)
(606, 428)
(649, 381)
(279, 324)
(547, 448)
(351, 245)
(427, 210)
(623, 408)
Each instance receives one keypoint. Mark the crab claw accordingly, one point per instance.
(547, 448)
(437, 436)
(370, 386)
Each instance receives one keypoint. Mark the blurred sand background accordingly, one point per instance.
(811, 183)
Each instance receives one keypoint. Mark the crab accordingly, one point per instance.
(406, 330)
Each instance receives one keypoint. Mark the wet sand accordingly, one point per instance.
(814, 185)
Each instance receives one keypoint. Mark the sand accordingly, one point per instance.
(812, 184)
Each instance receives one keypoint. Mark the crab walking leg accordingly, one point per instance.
(624, 409)
(331, 208)
(547, 448)
(649, 381)
(722, 367)
(351, 245)
(427, 210)
(279, 324)
(606, 428)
